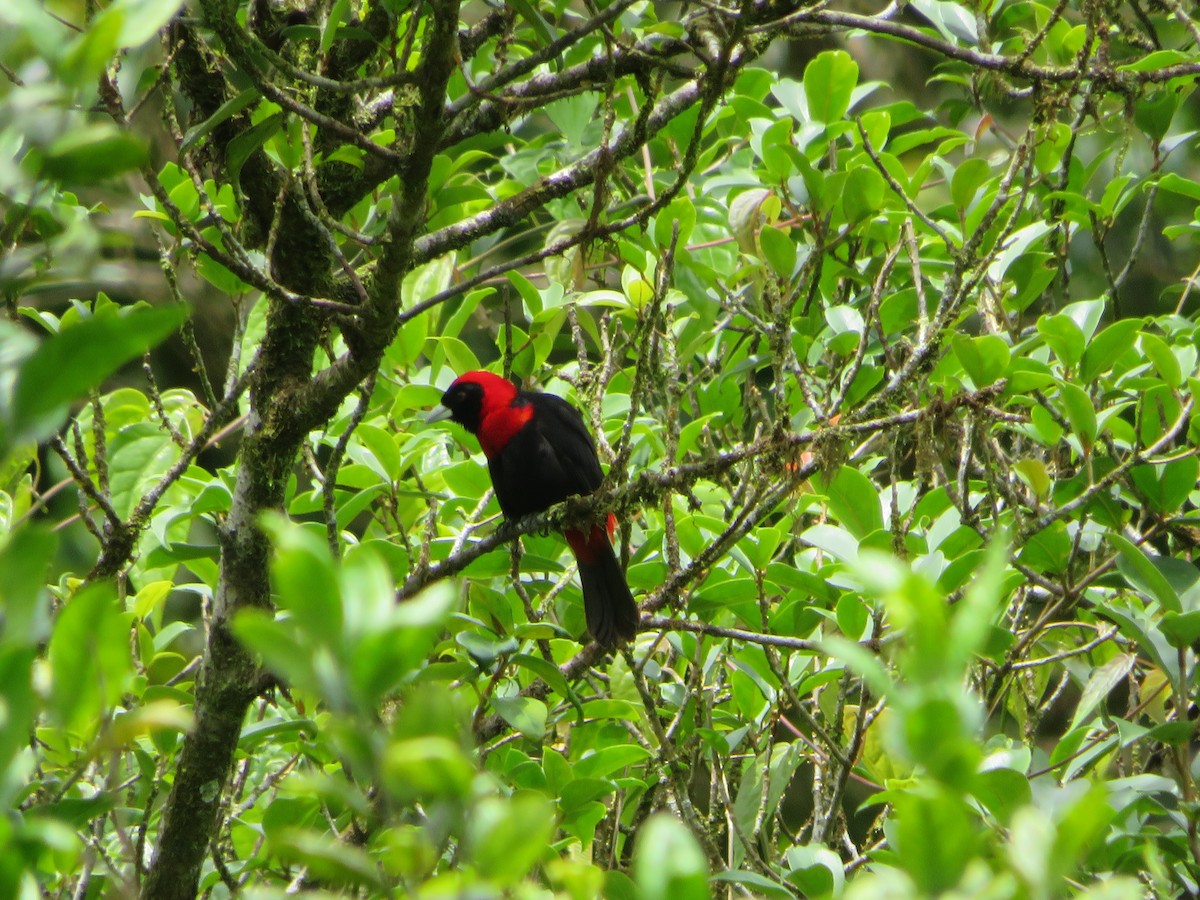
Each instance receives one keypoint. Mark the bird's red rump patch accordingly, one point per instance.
(587, 545)
(499, 422)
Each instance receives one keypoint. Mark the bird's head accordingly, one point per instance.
(472, 396)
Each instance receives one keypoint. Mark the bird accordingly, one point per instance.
(540, 452)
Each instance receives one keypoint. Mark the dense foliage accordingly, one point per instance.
(894, 384)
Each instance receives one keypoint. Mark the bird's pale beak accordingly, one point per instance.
(438, 414)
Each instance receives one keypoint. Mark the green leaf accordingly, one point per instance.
(276, 642)
(605, 761)
(1080, 826)
(333, 23)
(1141, 627)
(779, 250)
(389, 638)
(955, 22)
(1003, 791)
(1167, 486)
(1173, 733)
(668, 863)
(1117, 194)
(303, 576)
(816, 870)
(1068, 746)
(89, 658)
(78, 811)
(1107, 347)
(247, 142)
(225, 111)
(215, 273)
(286, 813)
(327, 857)
(837, 542)
(1048, 549)
(938, 737)
(855, 502)
(877, 124)
(1086, 314)
(89, 54)
(67, 365)
(428, 766)
(1035, 474)
(25, 558)
(1153, 112)
(463, 311)
(547, 671)
(1142, 574)
(1029, 276)
(1164, 360)
(255, 733)
(679, 211)
(138, 457)
(746, 214)
(1158, 408)
(540, 26)
(484, 647)
(861, 660)
(1025, 375)
(829, 82)
(506, 838)
(406, 349)
(844, 319)
(24, 561)
(935, 837)
(984, 358)
(761, 886)
(862, 194)
(141, 19)
(1080, 412)
(425, 282)
(968, 178)
(382, 455)
(578, 794)
(573, 116)
(1064, 337)
(1100, 684)
(525, 714)
(1177, 184)
(1181, 630)
(457, 354)
(852, 616)
(980, 606)
(601, 708)
(1159, 59)
(94, 153)
(1017, 247)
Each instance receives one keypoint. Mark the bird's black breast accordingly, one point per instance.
(551, 458)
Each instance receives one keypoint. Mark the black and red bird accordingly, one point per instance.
(539, 453)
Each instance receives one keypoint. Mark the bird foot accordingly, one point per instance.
(531, 524)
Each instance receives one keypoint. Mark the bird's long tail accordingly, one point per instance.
(612, 614)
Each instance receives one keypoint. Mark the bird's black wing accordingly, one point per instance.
(550, 459)
(563, 428)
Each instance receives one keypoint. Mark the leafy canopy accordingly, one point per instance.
(892, 362)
